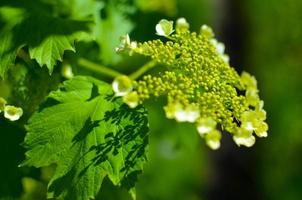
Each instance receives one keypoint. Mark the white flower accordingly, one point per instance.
(244, 137)
(122, 85)
(261, 130)
(188, 114)
(246, 141)
(181, 113)
(262, 134)
(192, 115)
(131, 99)
(213, 144)
(213, 139)
(206, 125)
(248, 126)
(164, 27)
(12, 113)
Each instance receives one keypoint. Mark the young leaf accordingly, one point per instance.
(89, 134)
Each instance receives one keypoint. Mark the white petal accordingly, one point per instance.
(248, 126)
(122, 85)
(220, 48)
(203, 129)
(192, 116)
(131, 99)
(213, 144)
(159, 30)
(246, 141)
(262, 134)
(180, 115)
(164, 27)
(226, 58)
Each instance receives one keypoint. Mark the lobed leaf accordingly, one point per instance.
(47, 36)
(89, 134)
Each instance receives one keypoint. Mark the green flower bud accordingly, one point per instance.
(207, 31)
(182, 25)
(122, 85)
(66, 71)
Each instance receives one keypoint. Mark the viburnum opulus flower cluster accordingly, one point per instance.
(199, 84)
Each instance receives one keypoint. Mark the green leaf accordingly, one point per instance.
(50, 50)
(89, 134)
(47, 36)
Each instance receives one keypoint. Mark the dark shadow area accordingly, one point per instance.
(11, 154)
(94, 92)
(87, 128)
(60, 184)
(234, 169)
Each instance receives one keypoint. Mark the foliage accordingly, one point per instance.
(99, 137)
(84, 133)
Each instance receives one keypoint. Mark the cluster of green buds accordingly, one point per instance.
(10, 112)
(200, 85)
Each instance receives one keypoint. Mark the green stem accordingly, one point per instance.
(98, 68)
(149, 65)
(24, 56)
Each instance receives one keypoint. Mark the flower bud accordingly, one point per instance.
(182, 25)
(122, 85)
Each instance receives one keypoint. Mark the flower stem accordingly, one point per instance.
(98, 68)
(149, 65)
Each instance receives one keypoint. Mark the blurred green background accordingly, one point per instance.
(261, 37)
